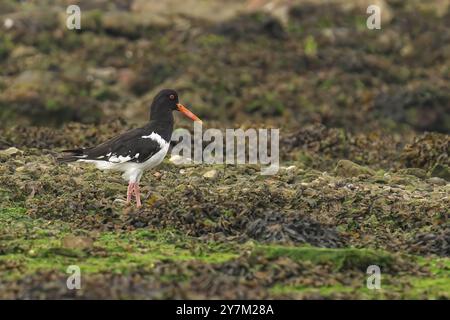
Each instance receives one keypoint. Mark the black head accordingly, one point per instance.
(164, 103)
(167, 98)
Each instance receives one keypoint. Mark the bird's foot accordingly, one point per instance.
(133, 189)
(130, 192)
(137, 194)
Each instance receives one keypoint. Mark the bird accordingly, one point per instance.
(136, 150)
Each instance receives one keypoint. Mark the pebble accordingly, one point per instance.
(437, 181)
(10, 151)
(177, 159)
(347, 168)
(212, 174)
(157, 174)
(74, 242)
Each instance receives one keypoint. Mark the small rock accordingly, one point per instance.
(108, 74)
(177, 160)
(10, 151)
(23, 51)
(347, 168)
(212, 174)
(437, 181)
(157, 174)
(74, 242)
(8, 23)
(417, 172)
(401, 180)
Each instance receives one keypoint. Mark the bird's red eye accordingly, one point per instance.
(172, 97)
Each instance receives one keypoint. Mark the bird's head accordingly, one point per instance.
(167, 101)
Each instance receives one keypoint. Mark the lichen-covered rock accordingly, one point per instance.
(211, 174)
(347, 168)
(9, 152)
(320, 146)
(437, 181)
(417, 172)
(427, 151)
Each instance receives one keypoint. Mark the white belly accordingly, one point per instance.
(132, 171)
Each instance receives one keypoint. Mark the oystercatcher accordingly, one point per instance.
(139, 149)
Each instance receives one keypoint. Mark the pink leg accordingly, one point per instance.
(130, 191)
(137, 194)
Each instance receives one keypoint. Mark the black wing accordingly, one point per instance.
(136, 145)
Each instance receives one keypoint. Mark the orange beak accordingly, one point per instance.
(187, 113)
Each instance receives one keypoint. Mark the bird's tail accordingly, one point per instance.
(71, 156)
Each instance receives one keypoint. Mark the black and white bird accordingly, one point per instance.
(139, 149)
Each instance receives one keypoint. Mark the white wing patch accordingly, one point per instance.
(156, 137)
(119, 159)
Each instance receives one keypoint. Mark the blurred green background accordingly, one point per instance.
(282, 63)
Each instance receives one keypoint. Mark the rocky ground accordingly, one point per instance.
(364, 147)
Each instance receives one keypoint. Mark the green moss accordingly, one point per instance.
(432, 285)
(430, 288)
(407, 288)
(35, 245)
(340, 258)
(6, 46)
(310, 46)
(212, 40)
